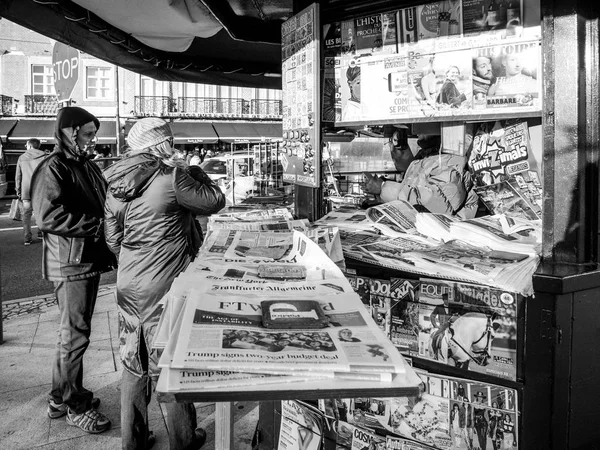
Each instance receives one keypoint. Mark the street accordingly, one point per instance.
(21, 266)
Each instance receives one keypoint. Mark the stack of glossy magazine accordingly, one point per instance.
(213, 330)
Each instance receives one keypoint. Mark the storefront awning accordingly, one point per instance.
(44, 131)
(107, 133)
(248, 132)
(27, 129)
(194, 133)
(6, 126)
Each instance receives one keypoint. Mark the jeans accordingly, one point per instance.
(76, 302)
(135, 397)
(26, 212)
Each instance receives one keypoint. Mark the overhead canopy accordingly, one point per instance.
(225, 42)
(194, 133)
(248, 132)
(27, 129)
(6, 125)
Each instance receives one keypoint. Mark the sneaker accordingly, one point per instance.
(90, 421)
(27, 243)
(57, 410)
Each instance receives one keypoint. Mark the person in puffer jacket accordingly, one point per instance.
(150, 211)
(67, 194)
(437, 182)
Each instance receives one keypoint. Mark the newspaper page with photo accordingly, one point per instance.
(228, 335)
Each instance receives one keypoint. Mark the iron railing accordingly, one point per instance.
(266, 108)
(213, 107)
(207, 107)
(7, 104)
(154, 106)
(41, 104)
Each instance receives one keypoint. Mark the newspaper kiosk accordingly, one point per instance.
(558, 358)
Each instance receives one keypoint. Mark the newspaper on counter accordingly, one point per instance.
(488, 231)
(395, 218)
(347, 219)
(252, 215)
(259, 225)
(223, 327)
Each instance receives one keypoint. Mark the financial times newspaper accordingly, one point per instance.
(222, 327)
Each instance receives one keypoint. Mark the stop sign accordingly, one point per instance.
(65, 61)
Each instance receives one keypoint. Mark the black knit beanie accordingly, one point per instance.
(73, 116)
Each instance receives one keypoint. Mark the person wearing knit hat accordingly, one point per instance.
(67, 195)
(153, 198)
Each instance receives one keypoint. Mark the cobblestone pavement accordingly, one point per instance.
(20, 307)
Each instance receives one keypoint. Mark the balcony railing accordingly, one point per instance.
(266, 108)
(41, 104)
(206, 107)
(154, 106)
(7, 104)
(213, 107)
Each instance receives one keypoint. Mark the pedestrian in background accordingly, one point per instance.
(153, 198)
(195, 160)
(68, 194)
(26, 164)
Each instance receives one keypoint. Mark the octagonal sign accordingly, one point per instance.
(65, 63)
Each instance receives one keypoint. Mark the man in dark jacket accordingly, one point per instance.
(26, 164)
(68, 194)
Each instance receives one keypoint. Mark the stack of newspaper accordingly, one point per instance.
(212, 330)
(498, 250)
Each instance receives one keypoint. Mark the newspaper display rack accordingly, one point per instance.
(215, 346)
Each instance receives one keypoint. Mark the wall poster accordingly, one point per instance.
(301, 156)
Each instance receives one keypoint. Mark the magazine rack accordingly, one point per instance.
(402, 386)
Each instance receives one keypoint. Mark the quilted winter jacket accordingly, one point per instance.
(440, 183)
(67, 195)
(150, 226)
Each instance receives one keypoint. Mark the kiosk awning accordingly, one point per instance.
(194, 133)
(27, 129)
(6, 126)
(248, 132)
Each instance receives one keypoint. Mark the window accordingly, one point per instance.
(153, 88)
(42, 80)
(99, 83)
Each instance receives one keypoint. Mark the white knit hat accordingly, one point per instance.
(148, 132)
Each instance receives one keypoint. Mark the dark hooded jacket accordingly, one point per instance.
(150, 226)
(67, 195)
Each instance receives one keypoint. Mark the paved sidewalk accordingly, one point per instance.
(25, 374)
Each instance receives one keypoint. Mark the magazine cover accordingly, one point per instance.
(512, 71)
(503, 198)
(474, 327)
(491, 16)
(368, 412)
(424, 419)
(433, 20)
(404, 315)
(375, 34)
(501, 151)
(362, 287)
(351, 437)
(301, 426)
(380, 291)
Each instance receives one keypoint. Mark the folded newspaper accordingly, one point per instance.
(213, 335)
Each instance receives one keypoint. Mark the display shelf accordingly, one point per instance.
(467, 118)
